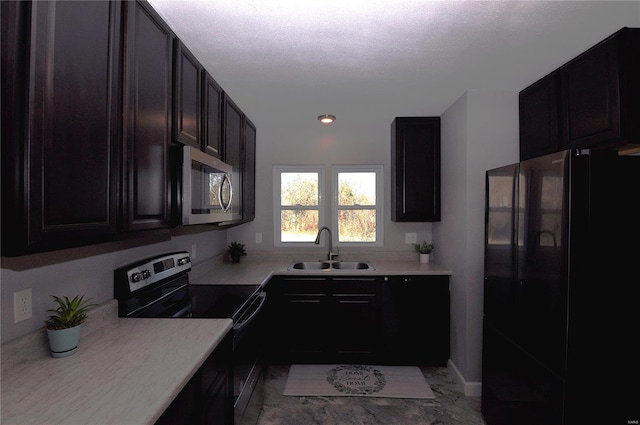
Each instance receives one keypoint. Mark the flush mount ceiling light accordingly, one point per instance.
(326, 119)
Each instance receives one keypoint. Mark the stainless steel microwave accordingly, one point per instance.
(207, 189)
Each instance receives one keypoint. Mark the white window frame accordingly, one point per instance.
(277, 171)
(378, 170)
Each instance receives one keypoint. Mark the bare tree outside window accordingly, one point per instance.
(356, 207)
(299, 190)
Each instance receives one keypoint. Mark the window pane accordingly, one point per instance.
(298, 225)
(358, 188)
(357, 225)
(299, 189)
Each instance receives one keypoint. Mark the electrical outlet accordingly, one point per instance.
(258, 237)
(193, 252)
(22, 305)
(410, 238)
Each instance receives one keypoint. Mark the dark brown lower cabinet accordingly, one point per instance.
(415, 320)
(207, 399)
(396, 320)
(322, 319)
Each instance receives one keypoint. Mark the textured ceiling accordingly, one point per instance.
(313, 57)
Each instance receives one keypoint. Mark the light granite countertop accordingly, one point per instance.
(259, 267)
(126, 372)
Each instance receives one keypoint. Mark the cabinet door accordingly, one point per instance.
(591, 96)
(352, 318)
(218, 409)
(216, 386)
(149, 47)
(415, 315)
(186, 105)
(540, 117)
(249, 171)
(415, 169)
(233, 151)
(62, 181)
(211, 116)
(297, 317)
(183, 410)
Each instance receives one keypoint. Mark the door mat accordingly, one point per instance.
(357, 380)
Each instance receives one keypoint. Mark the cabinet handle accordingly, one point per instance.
(360, 279)
(305, 279)
(305, 301)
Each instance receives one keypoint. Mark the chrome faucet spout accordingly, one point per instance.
(331, 254)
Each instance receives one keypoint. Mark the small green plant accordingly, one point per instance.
(424, 247)
(236, 250)
(70, 313)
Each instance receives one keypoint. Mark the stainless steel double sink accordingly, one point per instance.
(331, 265)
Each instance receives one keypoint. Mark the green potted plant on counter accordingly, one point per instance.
(235, 251)
(64, 324)
(424, 249)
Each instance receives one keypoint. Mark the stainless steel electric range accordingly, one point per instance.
(159, 287)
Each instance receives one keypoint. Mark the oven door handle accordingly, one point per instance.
(246, 321)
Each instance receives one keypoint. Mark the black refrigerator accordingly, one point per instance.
(561, 276)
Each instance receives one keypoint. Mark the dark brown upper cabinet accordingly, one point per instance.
(415, 169)
(601, 93)
(61, 66)
(88, 121)
(148, 108)
(186, 104)
(591, 102)
(232, 131)
(540, 117)
(249, 174)
(211, 116)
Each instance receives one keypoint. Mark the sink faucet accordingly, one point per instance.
(331, 255)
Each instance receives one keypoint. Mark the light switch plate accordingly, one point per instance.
(410, 238)
(258, 237)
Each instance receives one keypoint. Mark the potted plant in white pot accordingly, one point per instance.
(424, 249)
(64, 324)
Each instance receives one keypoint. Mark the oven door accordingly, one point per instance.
(248, 367)
(173, 304)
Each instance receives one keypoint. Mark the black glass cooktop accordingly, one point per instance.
(220, 301)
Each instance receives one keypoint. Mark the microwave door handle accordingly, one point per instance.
(225, 208)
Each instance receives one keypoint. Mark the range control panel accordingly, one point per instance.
(156, 269)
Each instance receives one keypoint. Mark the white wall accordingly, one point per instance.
(92, 275)
(479, 132)
(353, 139)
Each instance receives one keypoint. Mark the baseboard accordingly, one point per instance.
(470, 389)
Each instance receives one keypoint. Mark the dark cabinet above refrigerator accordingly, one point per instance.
(592, 101)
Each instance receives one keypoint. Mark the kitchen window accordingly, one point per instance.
(357, 210)
(355, 204)
(299, 203)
